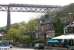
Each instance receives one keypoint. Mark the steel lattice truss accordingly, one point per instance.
(27, 8)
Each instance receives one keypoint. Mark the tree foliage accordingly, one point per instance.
(22, 32)
(58, 27)
(62, 18)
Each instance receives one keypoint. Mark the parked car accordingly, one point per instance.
(4, 45)
(53, 42)
(39, 46)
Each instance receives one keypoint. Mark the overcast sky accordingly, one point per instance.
(18, 17)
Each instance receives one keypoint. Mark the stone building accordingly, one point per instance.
(46, 29)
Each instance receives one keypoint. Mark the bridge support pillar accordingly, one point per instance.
(8, 18)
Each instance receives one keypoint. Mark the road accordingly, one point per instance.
(21, 49)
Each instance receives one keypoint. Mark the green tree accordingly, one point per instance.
(32, 25)
(63, 17)
(58, 27)
(14, 34)
(22, 32)
(66, 13)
